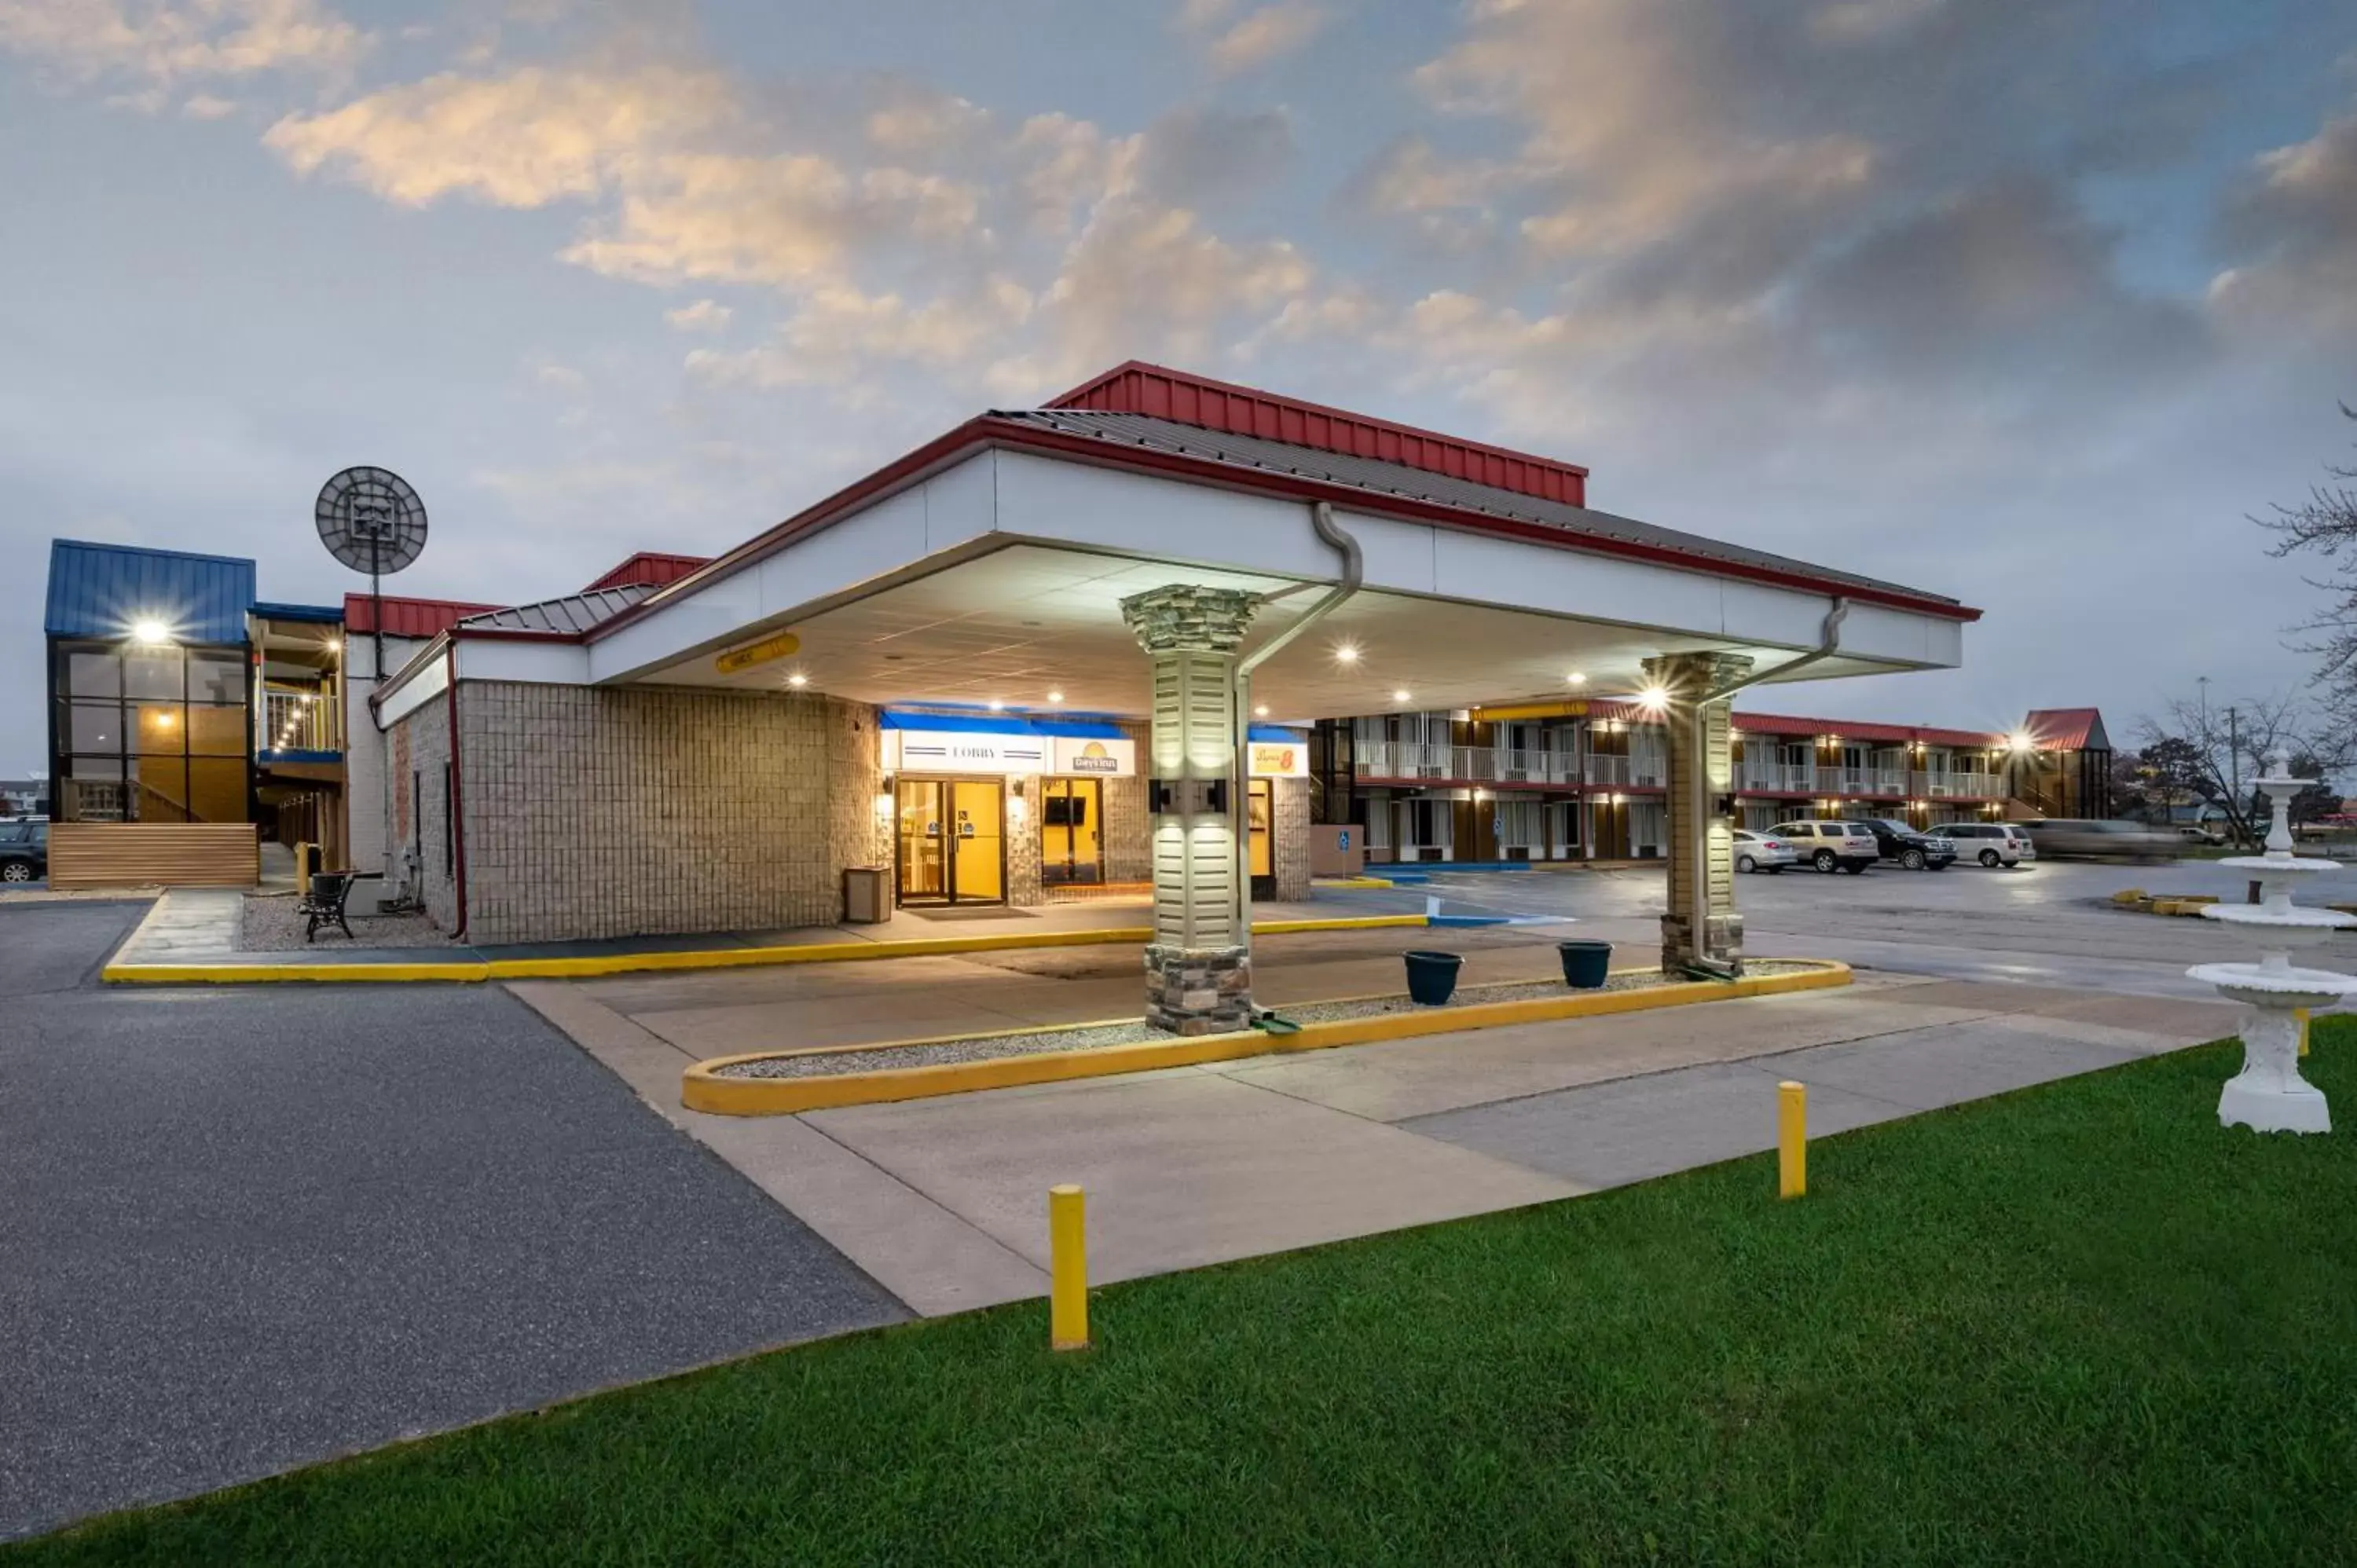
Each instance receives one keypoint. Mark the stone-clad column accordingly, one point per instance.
(1198, 965)
(1701, 839)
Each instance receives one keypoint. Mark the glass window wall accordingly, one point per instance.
(153, 734)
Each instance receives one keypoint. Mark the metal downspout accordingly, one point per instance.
(1322, 521)
(1699, 782)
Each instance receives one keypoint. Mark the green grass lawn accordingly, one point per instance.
(2081, 1324)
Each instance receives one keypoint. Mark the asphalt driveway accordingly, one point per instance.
(247, 1228)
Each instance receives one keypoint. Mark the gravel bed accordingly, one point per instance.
(268, 924)
(982, 1048)
(991, 1047)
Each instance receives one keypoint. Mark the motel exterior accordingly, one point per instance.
(1111, 644)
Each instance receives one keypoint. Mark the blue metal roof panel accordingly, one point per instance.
(1276, 735)
(98, 590)
(956, 723)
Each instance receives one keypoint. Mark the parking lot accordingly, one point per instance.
(252, 1228)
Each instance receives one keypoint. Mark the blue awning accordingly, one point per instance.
(331, 615)
(1276, 735)
(1000, 724)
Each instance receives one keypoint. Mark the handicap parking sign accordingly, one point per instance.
(1345, 839)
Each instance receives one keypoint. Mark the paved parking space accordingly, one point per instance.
(250, 1229)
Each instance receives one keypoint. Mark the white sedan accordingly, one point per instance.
(1762, 852)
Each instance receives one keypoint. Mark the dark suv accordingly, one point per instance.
(1915, 850)
(24, 851)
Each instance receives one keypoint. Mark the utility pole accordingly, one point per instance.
(2234, 759)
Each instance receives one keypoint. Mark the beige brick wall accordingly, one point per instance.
(590, 811)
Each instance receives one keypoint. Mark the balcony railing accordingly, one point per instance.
(293, 720)
(1474, 763)
(1947, 785)
(1789, 778)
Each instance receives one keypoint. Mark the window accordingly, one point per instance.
(126, 730)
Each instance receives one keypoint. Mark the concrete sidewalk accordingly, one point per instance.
(200, 926)
(943, 1200)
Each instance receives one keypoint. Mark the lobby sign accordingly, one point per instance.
(1102, 758)
(1280, 759)
(932, 751)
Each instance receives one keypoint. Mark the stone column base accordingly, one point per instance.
(1722, 942)
(1198, 990)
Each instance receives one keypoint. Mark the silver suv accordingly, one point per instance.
(1831, 845)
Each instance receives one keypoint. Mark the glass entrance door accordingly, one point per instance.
(1260, 818)
(1072, 826)
(951, 840)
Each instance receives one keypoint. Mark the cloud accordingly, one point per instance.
(205, 106)
(524, 139)
(704, 316)
(161, 43)
(2291, 223)
(1269, 34)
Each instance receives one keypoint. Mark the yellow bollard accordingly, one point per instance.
(1791, 1139)
(1068, 1271)
(2301, 1014)
(302, 869)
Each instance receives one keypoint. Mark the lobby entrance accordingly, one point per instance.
(952, 847)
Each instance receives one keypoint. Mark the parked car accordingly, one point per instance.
(2102, 839)
(1991, 843)
(25, 850)
(1762, 852)
(1831, 845)
(2210, 836)
(1911, 847)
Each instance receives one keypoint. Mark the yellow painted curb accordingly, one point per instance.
(591, 966)
(703, 1087)
(247, 974)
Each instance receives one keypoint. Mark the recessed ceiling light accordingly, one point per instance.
(1576, 679)
(150, 633)
(996, 706)
(1055, 696)
(1400, 695)
(1261, 711)
(1346, 653)
(797, 680)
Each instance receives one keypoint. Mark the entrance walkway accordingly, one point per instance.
(943, 1200)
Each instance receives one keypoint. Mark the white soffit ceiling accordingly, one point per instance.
(1020, 623)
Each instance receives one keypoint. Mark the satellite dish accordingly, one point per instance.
(371, 522)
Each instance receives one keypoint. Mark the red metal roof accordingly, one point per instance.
(408, 617)
(2064, 729)
(1163, 394)
(651, 567)
(1858, 729)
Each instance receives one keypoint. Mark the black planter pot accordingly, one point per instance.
(1432, 977)
(1586, 962)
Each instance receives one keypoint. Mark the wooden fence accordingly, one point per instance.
(147, 854)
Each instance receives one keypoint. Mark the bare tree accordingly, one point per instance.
(2224, 747)
(2325, 524)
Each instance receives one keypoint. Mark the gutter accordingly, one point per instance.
(458, 798)
(1322, 524)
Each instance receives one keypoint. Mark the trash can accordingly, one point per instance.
(866, 895)
(1432, 976)
(1586, 962)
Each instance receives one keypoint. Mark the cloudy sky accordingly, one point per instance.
(2027, 301)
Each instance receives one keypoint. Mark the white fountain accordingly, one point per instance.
(2268, 1095)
